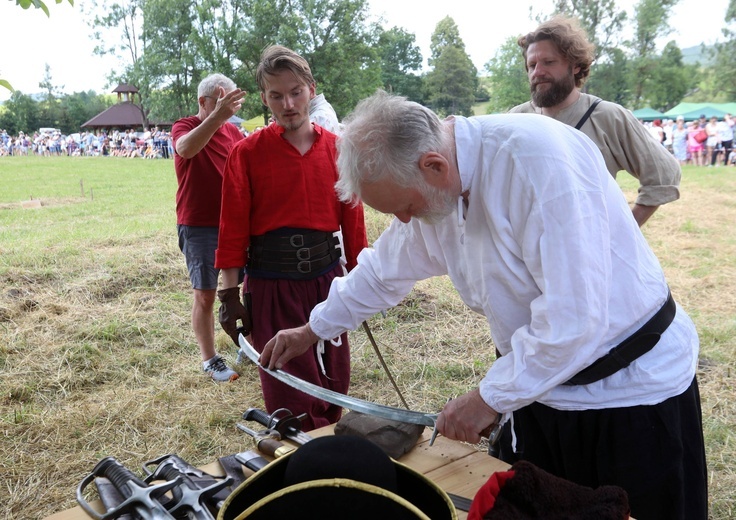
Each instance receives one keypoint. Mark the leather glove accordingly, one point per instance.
(232, 310)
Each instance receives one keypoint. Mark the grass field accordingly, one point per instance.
(97, 357)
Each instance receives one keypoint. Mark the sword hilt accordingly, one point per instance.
(195, 488)
(139, 497)
(282, 420)
(110, 497)
(121, 477)
(259, 416)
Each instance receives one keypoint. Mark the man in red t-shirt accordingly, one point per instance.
(202, 144)
(281, 219)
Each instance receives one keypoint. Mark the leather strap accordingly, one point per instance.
(587, 114)
(633, 347)
(291, 240)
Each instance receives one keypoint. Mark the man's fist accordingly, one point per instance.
(232, 310)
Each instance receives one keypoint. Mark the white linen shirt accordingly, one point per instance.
(549, 252)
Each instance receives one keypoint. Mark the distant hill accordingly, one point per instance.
(697, 54)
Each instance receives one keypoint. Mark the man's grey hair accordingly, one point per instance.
(212, 83)
(384, 137)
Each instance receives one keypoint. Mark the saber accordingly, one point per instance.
(346, 401)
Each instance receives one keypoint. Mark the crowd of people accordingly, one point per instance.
(152, 143)
(700, 142)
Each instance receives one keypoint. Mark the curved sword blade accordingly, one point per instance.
(336, 398)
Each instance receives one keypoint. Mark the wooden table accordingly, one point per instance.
(454, 466)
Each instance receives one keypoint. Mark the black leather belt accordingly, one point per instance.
(292, 241)
(300, 255)
(633, 347)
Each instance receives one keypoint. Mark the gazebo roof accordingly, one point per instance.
(124, 87)
(121, 115)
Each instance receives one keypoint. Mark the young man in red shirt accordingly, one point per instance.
(281, 219)
(202, 143)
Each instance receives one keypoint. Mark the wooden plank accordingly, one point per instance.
(465, 476)
(76, 513)
(425, 458)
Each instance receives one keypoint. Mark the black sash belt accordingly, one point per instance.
(636, 345)
(292, 241)
(301, 255)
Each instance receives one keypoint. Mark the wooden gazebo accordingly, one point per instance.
(124, 114)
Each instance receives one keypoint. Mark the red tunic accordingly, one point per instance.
(269, 185)
(200, 178)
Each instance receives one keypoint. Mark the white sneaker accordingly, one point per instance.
(218, 369)
(242, 357)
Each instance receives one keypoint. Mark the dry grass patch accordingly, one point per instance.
(98, 359)
(695, 241)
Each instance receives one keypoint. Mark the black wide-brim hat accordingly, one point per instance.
(333, 477)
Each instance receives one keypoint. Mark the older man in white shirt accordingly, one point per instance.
(521, 213)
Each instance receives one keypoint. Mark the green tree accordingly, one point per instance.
(38, 4)
(340, 48)
(401, 61)
(507, 79)
(451, 85)
(70, 111)
(170, 45)
(446, 34)
(49, 108)
(652, 22)
(610, 78)
(79, 107)
(670, 81)
(169, 68)
(51, 91)
(601, 19)
(725, 59)
(20, 114)
(117, 27)
(121, 23)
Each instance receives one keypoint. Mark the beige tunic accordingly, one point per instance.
(626, 145)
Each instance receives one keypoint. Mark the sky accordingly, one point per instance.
(63, 40)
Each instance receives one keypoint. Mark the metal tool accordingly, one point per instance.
(196, 488)
(139, 498)
(282, 420)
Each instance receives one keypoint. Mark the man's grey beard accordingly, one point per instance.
(440, 204)
(555, 93)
